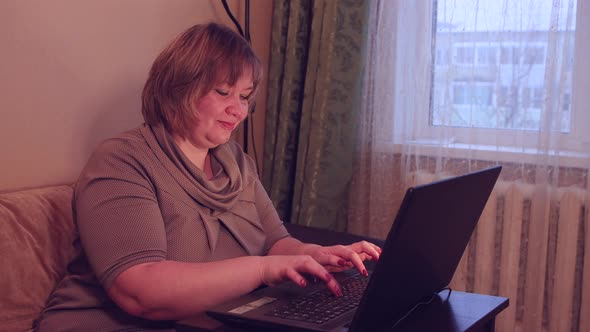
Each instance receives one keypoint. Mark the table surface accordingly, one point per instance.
(454, 312)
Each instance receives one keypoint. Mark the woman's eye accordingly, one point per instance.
(221, 92)
(245, 98)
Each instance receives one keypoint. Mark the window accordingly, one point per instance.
(567, 101)
(498, 74)
(509, 55)
(537, 97)
(534, 55)
(472, 95)
(486, 87)
(486, 55)
(515, 84)
(441, 57)
(464, 55)
(507, 97)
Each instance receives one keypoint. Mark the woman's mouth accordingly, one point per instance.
(227, 125)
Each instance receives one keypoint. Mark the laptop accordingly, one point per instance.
(420, 255)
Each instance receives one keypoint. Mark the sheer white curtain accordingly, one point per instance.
(453, 86)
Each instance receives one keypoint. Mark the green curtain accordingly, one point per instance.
(313, 108)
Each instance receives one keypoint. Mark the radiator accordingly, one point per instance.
(531, 245)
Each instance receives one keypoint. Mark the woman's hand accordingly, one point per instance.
(277, 268)
(342, 257)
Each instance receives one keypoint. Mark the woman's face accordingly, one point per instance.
(219, 112)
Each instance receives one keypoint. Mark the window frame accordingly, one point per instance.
(574, 144)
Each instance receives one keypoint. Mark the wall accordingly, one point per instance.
(71, 74)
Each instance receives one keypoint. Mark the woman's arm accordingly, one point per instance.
(171, 290)
(291, 246)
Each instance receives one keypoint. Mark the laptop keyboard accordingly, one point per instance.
(321, 306)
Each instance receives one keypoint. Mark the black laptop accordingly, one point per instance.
(420, 255)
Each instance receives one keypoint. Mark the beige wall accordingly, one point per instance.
(71, 74)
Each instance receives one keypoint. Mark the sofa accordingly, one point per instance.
(36, 233)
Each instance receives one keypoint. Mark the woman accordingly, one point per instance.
(172, 218)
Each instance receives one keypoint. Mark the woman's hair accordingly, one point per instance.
(193, 63)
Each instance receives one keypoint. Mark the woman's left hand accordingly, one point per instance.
(343, 257)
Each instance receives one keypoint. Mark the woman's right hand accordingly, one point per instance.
(275, 269)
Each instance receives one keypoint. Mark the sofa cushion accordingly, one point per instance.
(36, 234)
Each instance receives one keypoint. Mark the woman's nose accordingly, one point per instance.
(236, 107)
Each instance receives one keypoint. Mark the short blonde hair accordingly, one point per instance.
(198, 59)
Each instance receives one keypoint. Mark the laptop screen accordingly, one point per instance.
(424, 246)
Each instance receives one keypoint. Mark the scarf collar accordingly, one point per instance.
(231, 180)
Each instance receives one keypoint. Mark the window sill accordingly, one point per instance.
(491, 153)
